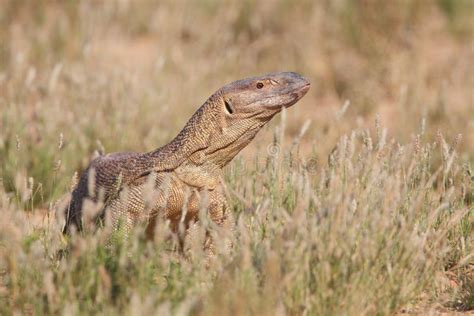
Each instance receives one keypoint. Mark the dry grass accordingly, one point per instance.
(369, 211)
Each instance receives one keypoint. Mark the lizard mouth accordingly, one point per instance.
(292, 97)
(299, 93)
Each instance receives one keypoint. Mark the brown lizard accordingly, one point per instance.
(190, 166)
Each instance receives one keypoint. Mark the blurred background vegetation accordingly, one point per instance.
(126, 75)
(82, 77)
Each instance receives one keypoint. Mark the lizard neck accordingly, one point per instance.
(193, 139)
(207, 143)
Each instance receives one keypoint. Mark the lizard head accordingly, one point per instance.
(244, 106)
(262, 96)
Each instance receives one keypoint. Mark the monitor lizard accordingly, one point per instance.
(172, 180)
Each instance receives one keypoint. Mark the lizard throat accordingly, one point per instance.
(227, 150)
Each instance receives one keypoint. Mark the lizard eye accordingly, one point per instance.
(228, 107)
(259, 85)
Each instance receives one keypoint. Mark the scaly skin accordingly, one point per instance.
(174, 181)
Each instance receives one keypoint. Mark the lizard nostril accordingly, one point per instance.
(259, 85)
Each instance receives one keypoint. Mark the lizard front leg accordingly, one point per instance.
(220, 214)
(219, 210)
